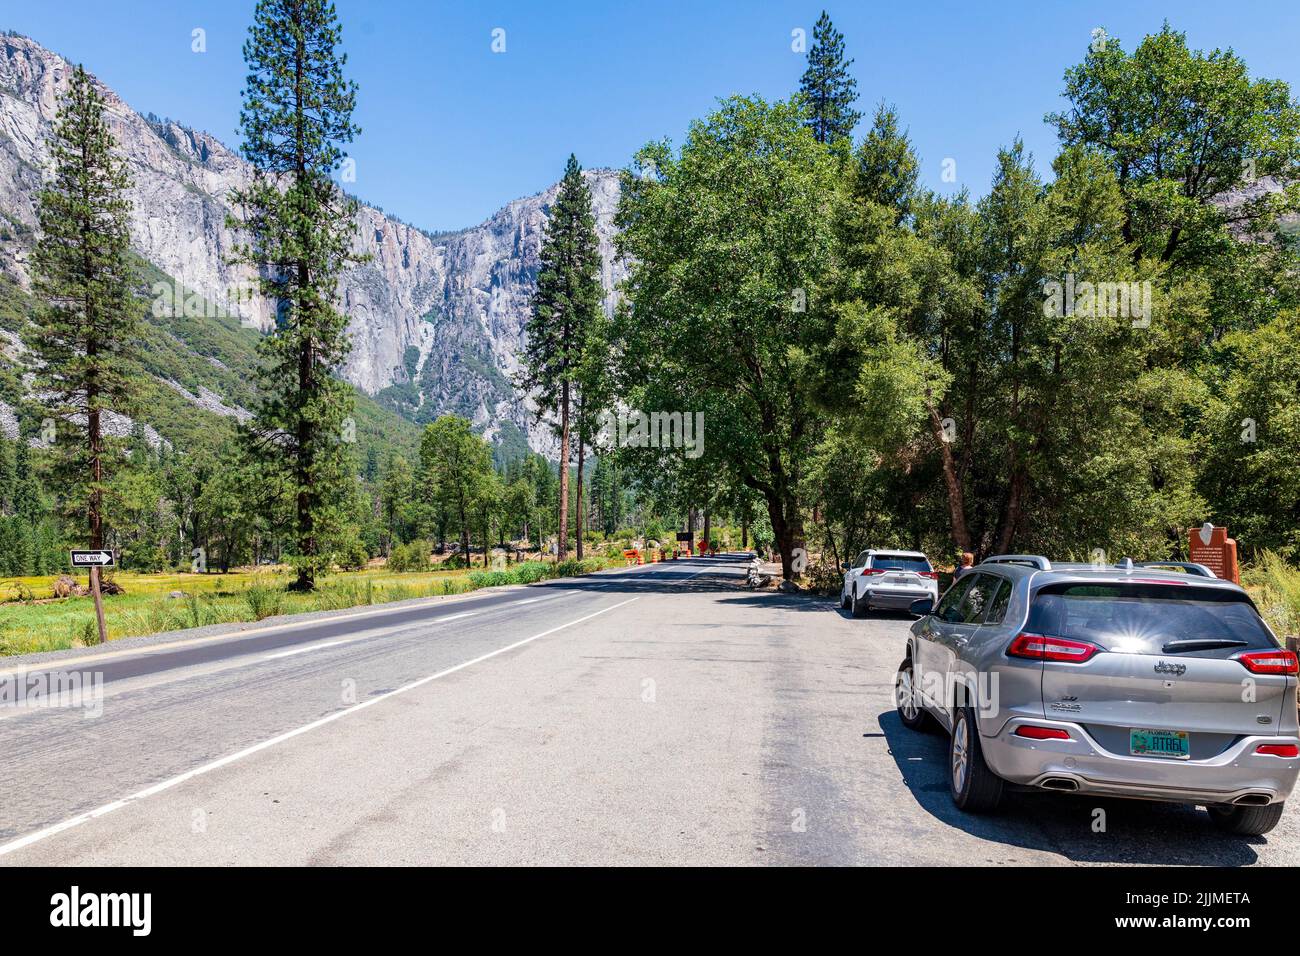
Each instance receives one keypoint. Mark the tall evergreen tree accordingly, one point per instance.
(566, 307)
(297, 111)
(827, 87)
(84, 335)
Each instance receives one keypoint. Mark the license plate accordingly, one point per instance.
(1172, 744)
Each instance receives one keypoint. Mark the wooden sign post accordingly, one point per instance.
(95, 560)
(1213, 548)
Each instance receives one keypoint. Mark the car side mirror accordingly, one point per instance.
(922, 607)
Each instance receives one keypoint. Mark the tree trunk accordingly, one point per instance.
(577, 505)
(464, 536)
(562, 545)
(95, 510)
(787, 530)
(956, 495)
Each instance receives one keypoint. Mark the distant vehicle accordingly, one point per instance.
(888, 579)
(1130, 680)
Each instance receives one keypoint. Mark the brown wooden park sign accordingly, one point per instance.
(1213, 548)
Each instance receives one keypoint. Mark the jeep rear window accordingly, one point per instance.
(898, 562)
(1149, 618)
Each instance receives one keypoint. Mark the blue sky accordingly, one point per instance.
(452, 131)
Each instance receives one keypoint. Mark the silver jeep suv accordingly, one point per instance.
(1153, 681)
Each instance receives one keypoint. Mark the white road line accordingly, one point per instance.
(302, 650)
(199, 771)
(452, 617)
(533, 600)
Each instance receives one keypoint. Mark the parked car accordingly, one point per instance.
(888, 579)
(1134, 680)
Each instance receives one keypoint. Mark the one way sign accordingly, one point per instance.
(92, 559)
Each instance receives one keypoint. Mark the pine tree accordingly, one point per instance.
(566, 307)
(297, 110)
(828, 89)
(85, 331)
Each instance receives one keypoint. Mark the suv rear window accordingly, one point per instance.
(898, 562)
(1150, 618)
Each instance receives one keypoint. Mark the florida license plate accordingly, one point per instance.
(1173, 744)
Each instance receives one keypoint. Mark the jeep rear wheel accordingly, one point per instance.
(975, 788)
(1247, 821)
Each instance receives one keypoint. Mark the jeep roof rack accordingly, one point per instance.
(1188, 566)
(1031, 560)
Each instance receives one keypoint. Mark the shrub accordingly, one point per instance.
(413, 556)
(352, 555)
(530, 572)
(1277, 587)
(264, 599)
(490, 579)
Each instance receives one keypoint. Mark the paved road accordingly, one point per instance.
(662, 715)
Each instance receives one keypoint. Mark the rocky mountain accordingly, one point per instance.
(436, 320)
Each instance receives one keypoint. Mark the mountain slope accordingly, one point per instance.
(436, 321)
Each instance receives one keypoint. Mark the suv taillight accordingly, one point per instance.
(1269, 662)
(1042, 733)
(1039, 647)
(866, 571)
(1278, 750)
(930, 574)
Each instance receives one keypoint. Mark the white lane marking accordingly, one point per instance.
(452, 617)
(302, 650)
(217, 764)
(533, 600)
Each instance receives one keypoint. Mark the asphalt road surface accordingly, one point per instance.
(659, 715)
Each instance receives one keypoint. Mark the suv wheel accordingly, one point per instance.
(910, 711)
(975, 788)
(1247, 821)
(857, 608)
(844, 599)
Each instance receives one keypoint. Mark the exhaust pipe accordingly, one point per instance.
(1060, 783)
(1252, 800)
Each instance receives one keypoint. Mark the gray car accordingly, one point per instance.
(1158, 682)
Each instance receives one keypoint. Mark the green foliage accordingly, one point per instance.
(827, 87)
(1277, 584)
(456, 473)
(563, 358)
(85, 334)
(732, 252)
(351, 555)
(264, 598)
(413, 556)
(1252, 438)
(297, 111)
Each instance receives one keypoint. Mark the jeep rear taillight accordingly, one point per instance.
(866, 571)
(1278, 750)
(934, 575)
(1039, 647)
(1042, 733)
(1269, 662)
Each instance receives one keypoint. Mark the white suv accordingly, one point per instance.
(888, 579)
